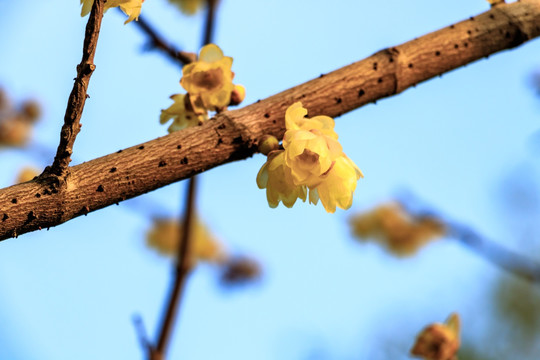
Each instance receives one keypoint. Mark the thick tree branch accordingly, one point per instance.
(233, 135)
(78, 95)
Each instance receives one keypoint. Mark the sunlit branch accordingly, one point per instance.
(78, 95)
(233, 135)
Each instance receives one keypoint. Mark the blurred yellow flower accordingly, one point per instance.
(276, 178)
(209, 79)
(189, 7)
(182, 117)
(131, 8)
(438, 341)
(26, 174)
(164, 237)
(15, 131)
(401, 233)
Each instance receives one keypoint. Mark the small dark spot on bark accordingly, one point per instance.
(320, 76)
(219, 141)
(85, 210)
(338, 100)
(162, 163)
(379, 80)
(258, 101)
(452, 26)
(14, 201)
(361, 92)
(179, 147)
(466, 44)
(303, 96)
(127, 177)
(54, 191)
(141, 147)
(374, 102)
(469, 32)
(507, 35)
(391, 60)
(100, 188)
(437, 53)
(374, 66)
(456, 46)
(31, 216)
(119, 151)
(46, 192)
(471, 18)
(184, 161)
(38, 195)
(221, 127)
(267, 115)
(411, 66)
(274, 121)
(237, 140)
(5, 217)
(491, 16)
(113, 169)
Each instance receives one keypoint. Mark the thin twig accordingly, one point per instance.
(78, 95)
(157, 41)
(517, 264)
(184, 261)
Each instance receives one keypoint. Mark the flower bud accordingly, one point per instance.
(238, 95)
(267, 144)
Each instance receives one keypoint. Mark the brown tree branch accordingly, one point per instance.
(78, 95)
(233, 135)
(158, 42)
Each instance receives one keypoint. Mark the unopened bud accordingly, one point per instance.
(267, 144)
(438, 341)
(27, 174)
(237, 95)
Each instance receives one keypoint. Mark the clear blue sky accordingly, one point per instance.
(70, 292)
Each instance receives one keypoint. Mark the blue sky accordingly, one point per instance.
(70, 292)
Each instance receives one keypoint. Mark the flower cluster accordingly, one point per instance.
(438, 341)
(209, 87)
(17, 123)
(131, 8)
(188, 7)
(311, 159)
(401, 233)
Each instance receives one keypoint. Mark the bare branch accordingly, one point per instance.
(78, 95)
(158, 42)
(233, 135)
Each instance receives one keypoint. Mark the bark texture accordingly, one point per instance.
(233, 135)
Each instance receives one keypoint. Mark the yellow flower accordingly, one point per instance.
(182, 117)
(209, 79)
(276, 177)
(15, 131)
(339, 183)
(131, 8)
(438, 341)
(401, 233)
(26, 174)
(188, 7)
(295, 119)
(164, 237)
(310, 154)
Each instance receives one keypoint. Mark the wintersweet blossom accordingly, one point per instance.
(131, 8)
(164, 237)
(209, 80)
(438, 341)
(182, 117)
(188, 7)
(276, 178)
(312, 159)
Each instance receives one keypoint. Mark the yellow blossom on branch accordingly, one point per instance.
(276, 178)
(26, 174)
(182, 117)
(312, 158)
(188, 7)
(401, 233)
(438, 341)
(131, 8)
(209, 80)
(164, 236)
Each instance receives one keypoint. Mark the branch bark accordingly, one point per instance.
(78, 95)
(233, 135)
